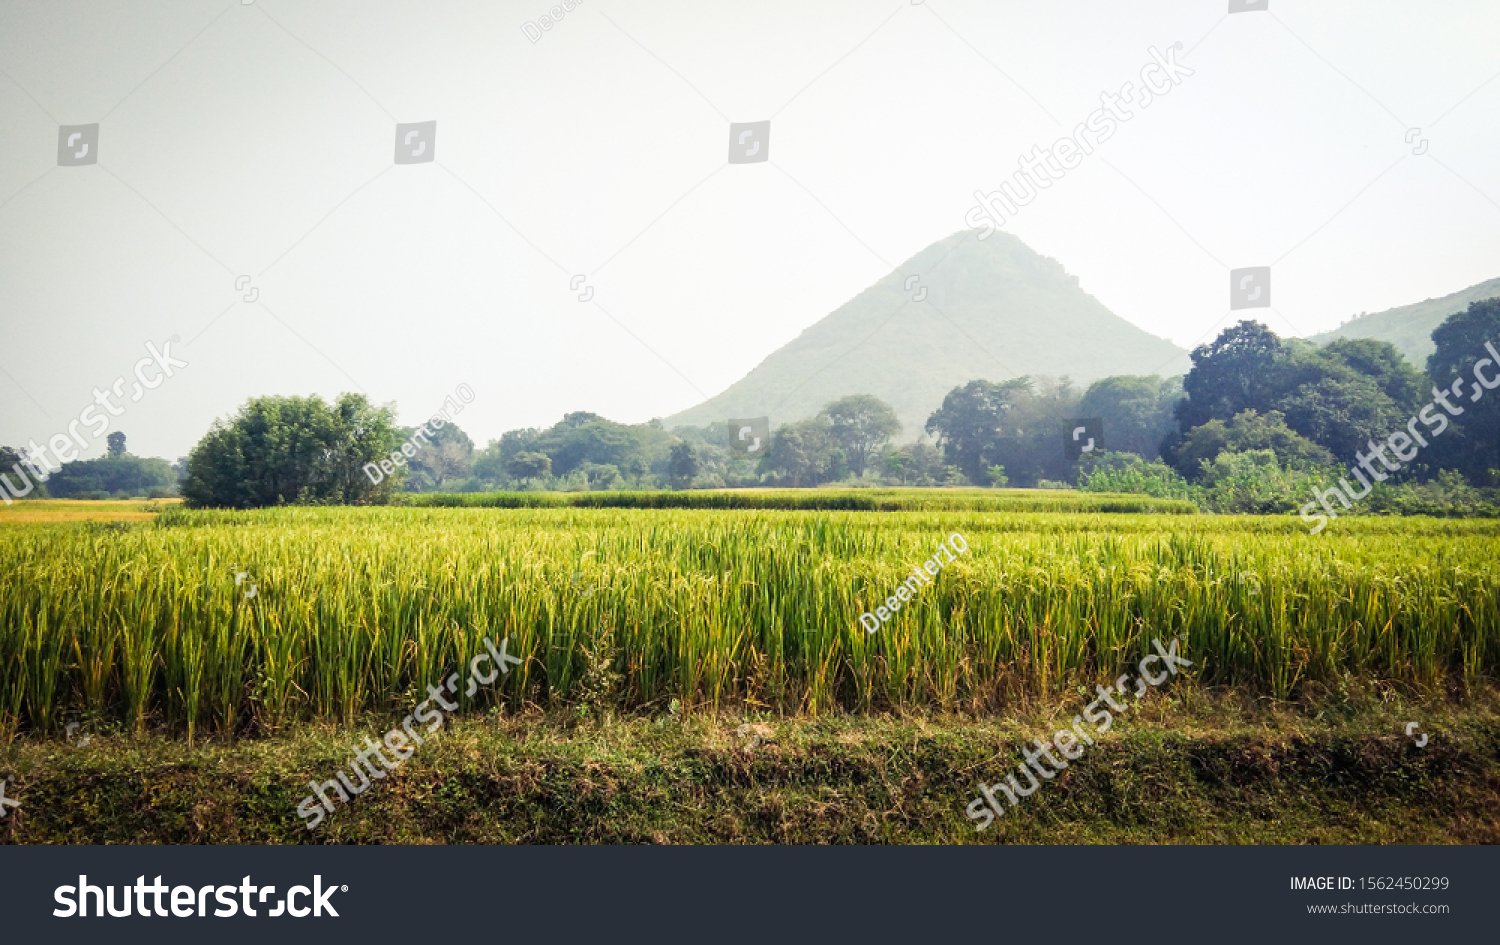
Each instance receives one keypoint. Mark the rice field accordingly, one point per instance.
(33, 511)
(341, 612)
(827, 499)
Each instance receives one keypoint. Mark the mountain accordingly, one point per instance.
(1410, 326)
(993, 309)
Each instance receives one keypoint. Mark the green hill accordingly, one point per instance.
(1410, 326)
(994, 309)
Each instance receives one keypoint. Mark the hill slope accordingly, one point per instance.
(1410, 326)
(994, 309)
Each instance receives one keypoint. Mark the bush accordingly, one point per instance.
(1128, 473)
(1448, 496)
(293, 450)
(1253, 482)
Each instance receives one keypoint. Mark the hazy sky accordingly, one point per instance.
(257, 139)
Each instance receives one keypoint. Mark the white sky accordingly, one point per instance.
(257, 139)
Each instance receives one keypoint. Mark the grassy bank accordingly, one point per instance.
(1187, 769)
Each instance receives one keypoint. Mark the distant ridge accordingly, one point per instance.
(1410, 327)
(994, 309)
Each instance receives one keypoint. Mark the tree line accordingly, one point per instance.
(1255, 420)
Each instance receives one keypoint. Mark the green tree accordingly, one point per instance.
(684, 464)
(599, 475)
(1341, 396)
(1030, 446)
(971, 421)
(295, 450)
(804, 454)
(895, 465)
(1137, 411)
(1127, 472)
(512, 443)
(20, 477)
(583, 437)
(116, 443)
(115, 474)
(529, 466)
(1231, 374)
(444, 457)
(489, 464)
(635, 467)
(1458, 369)
(860, 424)
(1385, 365)
(1342, 411)
(1245, 432)
(916, 464)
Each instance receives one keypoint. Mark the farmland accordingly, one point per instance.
(353, 609)
(271, 632)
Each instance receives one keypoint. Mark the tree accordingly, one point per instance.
(116, 443)
(1385, 365)
(294, 450)
(513, 443)
(599, 475)
(804, 454)
(1245, 432)
(529, 466)
(896, 463)
(445, 456)
(1018, 424)
(115, 474)
(860, 424)
(971, 419)
(1456, 368)
(997, 477)
(683, 465)
(916, 464)
(1231, 374)
(18, 477)
(583, 437)
(1030, 445)
(1137, 411)
(635, 467)
(1341, 396)
(1342, 411)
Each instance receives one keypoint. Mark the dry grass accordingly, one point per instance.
(44, 511)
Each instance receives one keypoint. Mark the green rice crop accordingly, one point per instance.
(359, 610)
